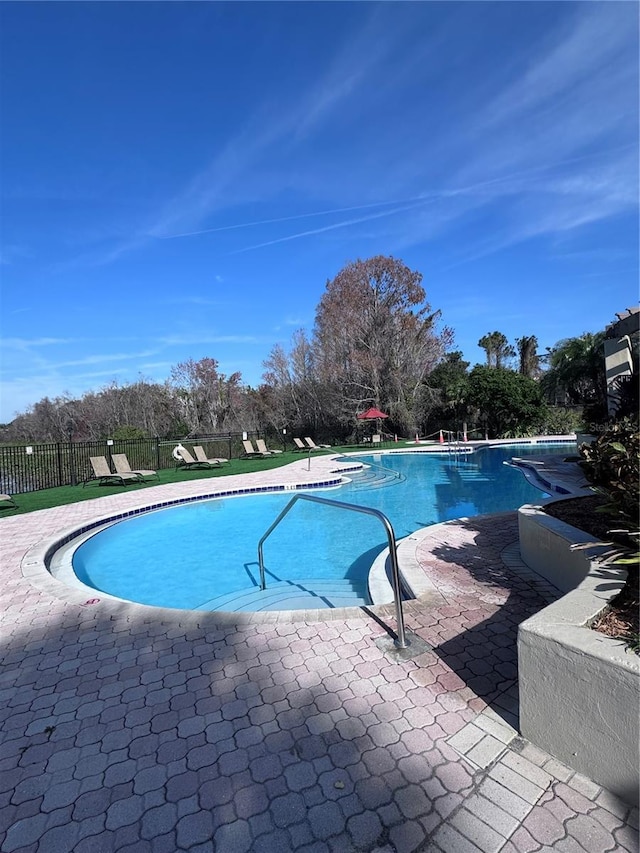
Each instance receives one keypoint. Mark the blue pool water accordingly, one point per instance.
(190, 556)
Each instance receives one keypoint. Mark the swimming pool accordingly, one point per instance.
(203, 556)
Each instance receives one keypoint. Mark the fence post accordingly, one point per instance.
(59, 448)
(72, 465)
(157, 453)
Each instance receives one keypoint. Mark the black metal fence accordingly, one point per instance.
(30, 467)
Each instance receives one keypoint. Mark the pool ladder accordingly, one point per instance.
(401, 640)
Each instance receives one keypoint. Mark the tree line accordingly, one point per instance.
(375, 341)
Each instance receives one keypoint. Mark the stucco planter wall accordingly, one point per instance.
(579, 689)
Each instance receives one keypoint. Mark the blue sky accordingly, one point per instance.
(180, 180)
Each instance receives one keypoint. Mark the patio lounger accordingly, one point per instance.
(250, 452)
(301, 447)
(121, 464)
(188, 461)
(201, 456)
(7, 501)
(311, 443)
(262, 447)
(105, 475)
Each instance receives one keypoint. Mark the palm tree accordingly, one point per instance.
(576, 366)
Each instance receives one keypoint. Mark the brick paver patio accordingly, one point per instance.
(126, 728)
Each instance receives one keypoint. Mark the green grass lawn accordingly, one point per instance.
(62, 495)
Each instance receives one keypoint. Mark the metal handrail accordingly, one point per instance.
(401, 641)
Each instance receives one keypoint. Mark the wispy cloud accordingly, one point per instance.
(196, 300)
(9, 254)
(549, 112)
(271, 128)
(29, 343)
(574, 58)
(195, 339)
(102, 358)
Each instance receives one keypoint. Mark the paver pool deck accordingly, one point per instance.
(125, 728)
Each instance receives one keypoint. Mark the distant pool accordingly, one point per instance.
(192, 556)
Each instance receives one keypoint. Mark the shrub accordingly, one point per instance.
(612, 464)
(560, 420)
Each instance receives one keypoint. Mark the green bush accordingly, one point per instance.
(612, 464)
(559, 420)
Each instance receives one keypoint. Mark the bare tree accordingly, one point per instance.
(207, 398)
(374, 337)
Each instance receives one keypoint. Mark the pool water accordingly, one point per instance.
(193, 555)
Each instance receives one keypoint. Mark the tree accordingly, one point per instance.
(442, 403)
(508, 403)
(208, 398)
(497, 349)
(291, 390)
(528, 355)
(375, 339)
(577, 371)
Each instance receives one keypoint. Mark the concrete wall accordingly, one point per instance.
(579, 689)
(553, 549)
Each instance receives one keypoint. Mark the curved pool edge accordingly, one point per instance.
(34, 570)
(34, 565)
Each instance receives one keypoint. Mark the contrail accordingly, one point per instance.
(420, 199)
(290, 218)
(331, 227)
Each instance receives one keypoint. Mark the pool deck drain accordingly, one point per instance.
(124, 728)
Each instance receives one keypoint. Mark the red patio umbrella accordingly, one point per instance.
(371, 414)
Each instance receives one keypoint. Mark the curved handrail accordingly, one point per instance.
(401, 641)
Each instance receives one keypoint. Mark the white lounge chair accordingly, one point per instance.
(262, 447)
(250, 452)
(311, 443)
(7, 501)
(188, 461)
(105, 475)
(121, 464)
(201, 456)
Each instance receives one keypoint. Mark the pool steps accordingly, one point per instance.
(288, 595)
(374, 478)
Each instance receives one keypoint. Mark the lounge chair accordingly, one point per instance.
(6, 501)
(262, 447)
(311, 443)
(121, 464)
(250, 452)
(301, 447)
(105, 475)
(201, 456)
(188, 461)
